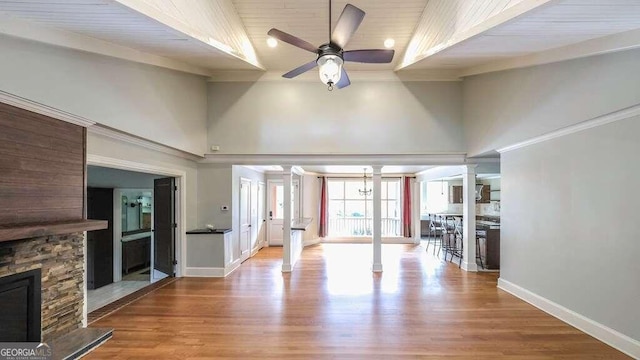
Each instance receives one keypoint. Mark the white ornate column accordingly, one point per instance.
(286, 221)
(377, 219)
(469, 217)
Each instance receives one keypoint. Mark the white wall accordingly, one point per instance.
(507, 107)
(294, 117)
(214, 191)
(569, 222)
(162, 105)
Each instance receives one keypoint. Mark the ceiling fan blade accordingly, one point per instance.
(369, 56)
(347, 25)
(293, 40)
(300, 70)
(344, 79)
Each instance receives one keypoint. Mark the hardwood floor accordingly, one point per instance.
(333, 306)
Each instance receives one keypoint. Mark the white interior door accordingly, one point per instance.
(274, 217)
(245, 219)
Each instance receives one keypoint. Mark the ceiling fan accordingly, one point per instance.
(331, 56)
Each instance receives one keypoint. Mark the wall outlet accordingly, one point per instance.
(224, 207)
(215, 147)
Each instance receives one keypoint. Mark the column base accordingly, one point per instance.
(470, 267)
(376, 268)
(287, 268)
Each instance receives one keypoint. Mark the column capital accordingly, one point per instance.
(286, 169)
(377, 169)
(469, 168)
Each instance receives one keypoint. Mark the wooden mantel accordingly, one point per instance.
(26, 231)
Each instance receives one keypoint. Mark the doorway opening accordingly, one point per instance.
(138, 247)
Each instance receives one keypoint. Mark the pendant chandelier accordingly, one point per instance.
(365, 192)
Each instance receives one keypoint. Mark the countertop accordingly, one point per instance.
(138, 236)
(208, 231)
(301, 224)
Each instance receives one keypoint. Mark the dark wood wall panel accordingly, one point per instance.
(42, 168)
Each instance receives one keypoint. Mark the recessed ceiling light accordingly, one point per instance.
(272, 42)
(389, 43)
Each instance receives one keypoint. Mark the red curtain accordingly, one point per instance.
(323, 227)
(406, 206)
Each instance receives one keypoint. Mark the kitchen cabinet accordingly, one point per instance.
(455, 196)
(136, 254)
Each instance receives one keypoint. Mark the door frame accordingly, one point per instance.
(294, 183)
(181, 196)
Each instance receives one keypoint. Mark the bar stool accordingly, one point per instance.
(448, 234)
(458, 240)
(480, 234)
(434, 228)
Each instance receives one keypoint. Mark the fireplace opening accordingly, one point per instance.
(20, 296)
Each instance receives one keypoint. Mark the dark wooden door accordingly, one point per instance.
(164, 225)
(100, 242)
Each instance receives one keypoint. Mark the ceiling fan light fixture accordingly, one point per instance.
(271, 42)
(330, 69)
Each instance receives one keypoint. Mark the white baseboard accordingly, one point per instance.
(232, 267)
(311, 242)
(204, 272)
(212, 271)
(601, 332)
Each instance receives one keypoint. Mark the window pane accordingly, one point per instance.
(277, 199)
(336, 189)
(393, 208)
(354, 208)
(351, 189)
(437, 197)
(336, 208)
(369, 209)
(394, 189)
(383, 193)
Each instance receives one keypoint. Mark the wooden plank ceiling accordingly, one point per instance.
(221, 35)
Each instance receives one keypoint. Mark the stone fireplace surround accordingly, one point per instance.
(61, 260)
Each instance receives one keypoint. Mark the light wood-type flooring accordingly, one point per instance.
(333, 307)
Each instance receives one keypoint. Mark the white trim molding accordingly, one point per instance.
(42, 109)
(131, 139)
(212, 271)
(181, 182)
(601, 332)
(622, 114)
(204, 272)
(336, 159)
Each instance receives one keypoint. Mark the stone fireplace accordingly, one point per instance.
(60, 259)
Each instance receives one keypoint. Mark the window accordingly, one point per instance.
(351, 214)
(435, 197)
